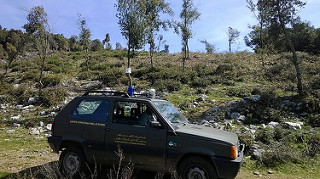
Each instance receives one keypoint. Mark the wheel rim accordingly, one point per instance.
(71, 163)
(196, 173)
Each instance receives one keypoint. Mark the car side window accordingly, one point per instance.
(132, 113)
(92, 110)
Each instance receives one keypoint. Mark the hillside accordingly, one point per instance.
(230, 91)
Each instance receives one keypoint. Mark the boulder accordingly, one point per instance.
(293, 125)
(273, 124)
(34, 131)
(10, 131)
(19, 107)
(31, 101)
(203, 97)
(16, 117)
(235, 115)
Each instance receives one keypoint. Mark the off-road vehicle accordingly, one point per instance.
(152, 134)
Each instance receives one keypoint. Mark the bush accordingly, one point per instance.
(167, 85)
(53, 96)
(265, 135)
(313, 145)
(278, 154)
(50, 80)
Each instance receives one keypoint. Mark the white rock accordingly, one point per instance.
(16, 125)
(203, 97)
(242, 117)
(15, 86)
(16, 117)
(43, 113)
(273, 124)
(41, 124)
(48, 126)
(235, 115)
(34, 131)
(31, 100)
(19, 107)
(10, 131)
(293, 125)
(52, 114)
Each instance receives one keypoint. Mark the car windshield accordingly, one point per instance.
(169, 112)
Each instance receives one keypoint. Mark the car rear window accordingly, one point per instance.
(92, 110)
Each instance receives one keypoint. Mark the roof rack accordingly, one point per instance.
(107, 93)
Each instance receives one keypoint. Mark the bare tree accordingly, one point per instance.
(233, 35)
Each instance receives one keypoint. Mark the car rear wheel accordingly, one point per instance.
(197, 168)
(72, 162)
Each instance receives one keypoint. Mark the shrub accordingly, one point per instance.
(53, 96)
(246, 138)
(265, 135)
(167, 85)
(50, 80)
(200, 82)
(224, 68)
(313, 145)
(31, 75)
(278, 154)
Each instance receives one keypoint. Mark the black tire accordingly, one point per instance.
(72, 163)
(197, 168)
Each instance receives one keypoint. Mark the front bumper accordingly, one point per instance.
(227, 168)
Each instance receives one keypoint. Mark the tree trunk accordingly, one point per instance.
(229, 46)
(294, 54)
(129, 75)
(261, 44)
(43, 59)
(87, 59)
(151, 55)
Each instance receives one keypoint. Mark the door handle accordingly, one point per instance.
(106, 129)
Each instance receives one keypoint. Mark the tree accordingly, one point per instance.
(188, 16)
(84, 38)
(284, 13)
(233, 35)
(166, 49)
(61, 42)
(209, 47)
(38, 29)
(106, 42)
(14, 45)
(261, 16)
(96, 45)
(154, 8)
(74, 44)
(118, 46)
(132, 25)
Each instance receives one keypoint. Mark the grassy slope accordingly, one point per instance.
(229, 77)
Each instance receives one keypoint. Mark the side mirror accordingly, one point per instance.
(155, 124)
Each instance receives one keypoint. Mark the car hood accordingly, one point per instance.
(206, 133)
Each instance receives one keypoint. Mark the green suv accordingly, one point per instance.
(152, 134)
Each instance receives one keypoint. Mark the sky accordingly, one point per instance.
(216, 17)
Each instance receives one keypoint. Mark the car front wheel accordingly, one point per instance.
(197, 168)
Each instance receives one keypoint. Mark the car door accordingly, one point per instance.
(89, 119)
(141, 144)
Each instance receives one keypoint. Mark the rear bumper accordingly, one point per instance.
(227, 168)
(54, 143)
